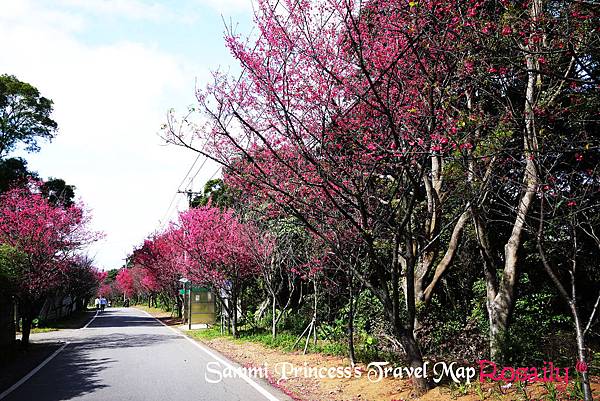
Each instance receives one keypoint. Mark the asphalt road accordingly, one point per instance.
(125, 354)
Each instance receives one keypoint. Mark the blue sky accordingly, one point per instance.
(113, 69)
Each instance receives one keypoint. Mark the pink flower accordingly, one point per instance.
(469, 66)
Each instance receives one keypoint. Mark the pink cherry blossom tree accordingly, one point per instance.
(162, 265)
(48, 238)
(399, 123)
(340, 118)
(219, 251)
(125, 282)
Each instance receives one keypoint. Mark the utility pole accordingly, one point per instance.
(190, 194)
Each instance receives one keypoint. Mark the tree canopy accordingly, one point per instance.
(24, 115)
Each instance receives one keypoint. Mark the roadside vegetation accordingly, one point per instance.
(410, 180)
(45, 274)
(401, 180)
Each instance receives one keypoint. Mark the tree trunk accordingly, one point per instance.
(26, 329)
(7, 321)
(406, 334)
(274, 328)
(406, 338)
(446, 261)
(351, 353)
(500, 296)
(17, 315)
(570, 299)
(585, 382)
(414, 358)
(234, 314)
(498, 317)
(179, 306)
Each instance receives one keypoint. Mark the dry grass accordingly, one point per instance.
(251, 354)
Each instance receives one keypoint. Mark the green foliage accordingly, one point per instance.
(521, 390)
(478, 306)
(459, 389)
(575, 389)
(14, 172)
(295, 322)
(283, 341)
(537, 323)
(24, 115)
(369, 314)
(58, 192)
(73, 321)
(111, 275)
(337, 328)
(552, 392)
(12, 263)
(163, 302)
(479, 390)
(215, 192)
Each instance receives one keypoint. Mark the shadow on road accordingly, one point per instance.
(110, 318)
(71, 374)
(119, 340)
(78, 374)
(79, 369)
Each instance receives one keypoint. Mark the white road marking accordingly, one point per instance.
(41, 365)
(33, 372)
(247, 379)
(88, 323)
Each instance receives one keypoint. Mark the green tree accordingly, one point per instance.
(111, 275)
(58, 192)
(217, 192)
(24, 115)
(14, 173)
(12, 264)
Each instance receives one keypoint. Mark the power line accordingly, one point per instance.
(215, 173)
(188, 191)
(179, 188)
(191, 183)
(190, 170)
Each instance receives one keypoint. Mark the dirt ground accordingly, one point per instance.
(359, 389)
(303, 387)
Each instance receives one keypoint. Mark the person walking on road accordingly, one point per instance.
(97, 303)
(102, 303)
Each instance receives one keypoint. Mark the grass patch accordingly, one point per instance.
(208, 334)
(156, 312)
(36, 330)
(365, 350)
(74, 321)
(284, 340)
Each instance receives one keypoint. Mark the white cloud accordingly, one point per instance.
(132, 9)
(21, 12)
(110, 101)
(227, 7)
